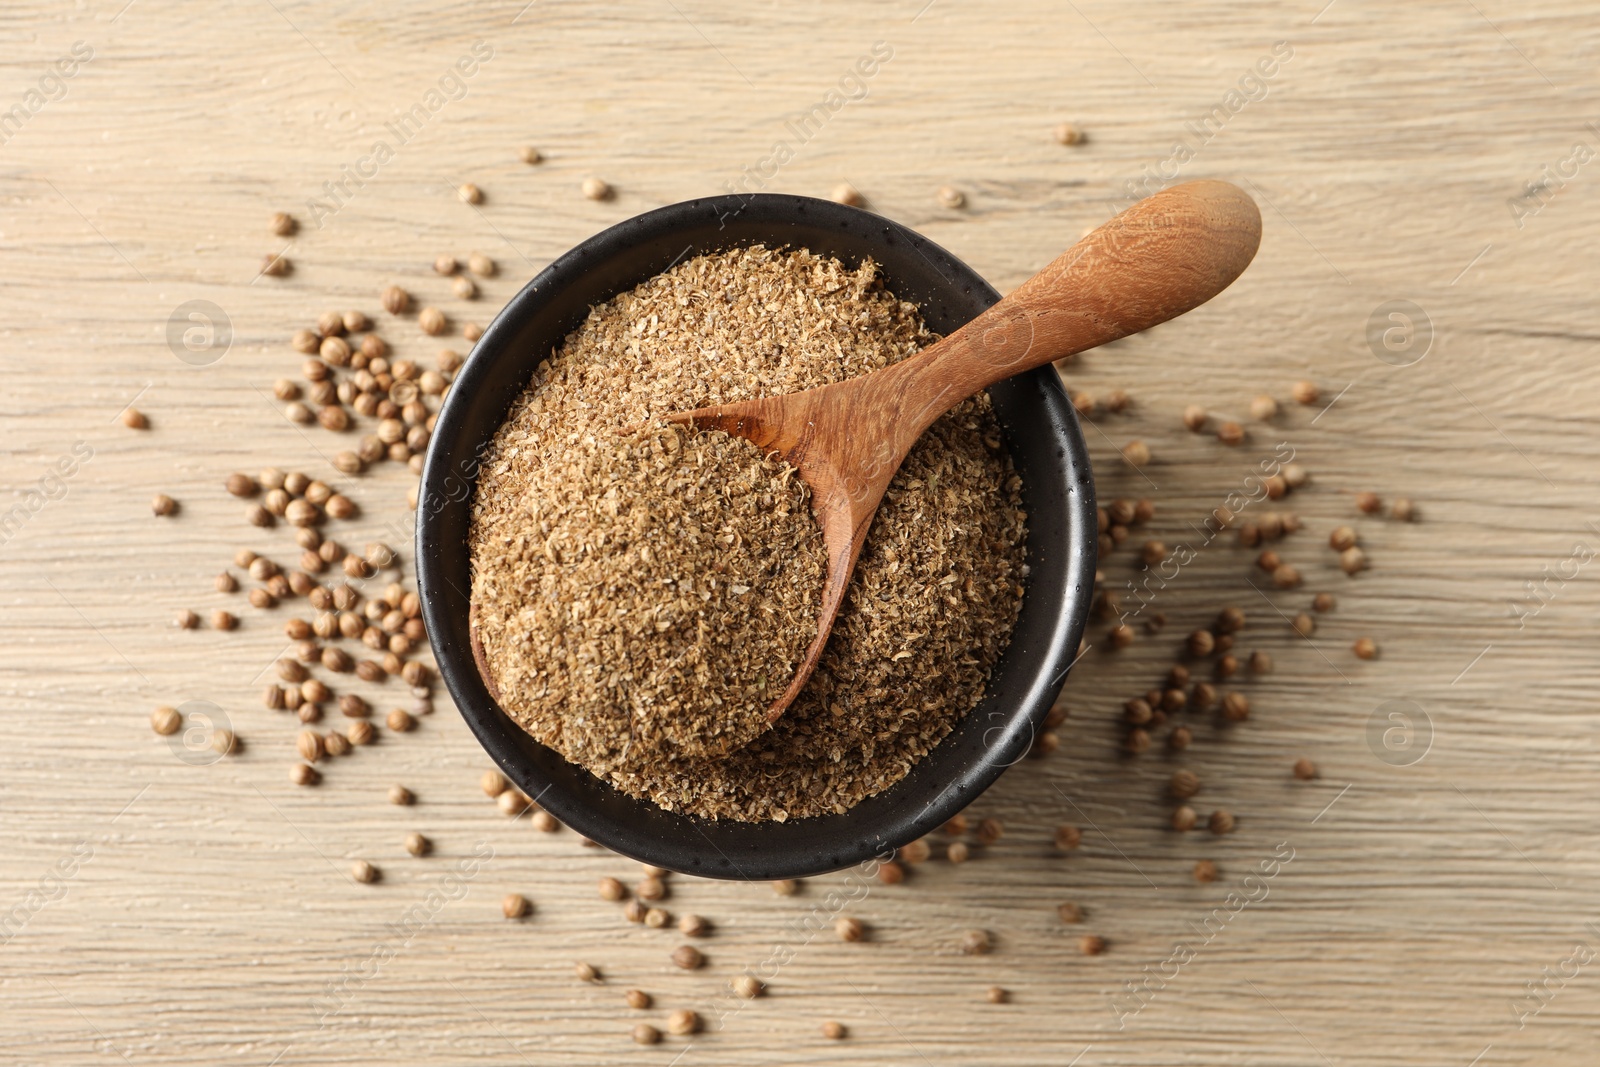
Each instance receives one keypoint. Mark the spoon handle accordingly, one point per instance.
(1163, 256)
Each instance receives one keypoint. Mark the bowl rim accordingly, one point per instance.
(448, 483)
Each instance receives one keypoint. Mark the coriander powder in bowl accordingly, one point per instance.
(593, 577)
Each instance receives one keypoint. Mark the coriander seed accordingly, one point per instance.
(1368, 503)
(1260, 663)
(418, 845)
(361, 732)
(595, 189)
(688, 957)
(656, 918)
(530, 155)
(958, 852)
(834, 1031)
(162, 504)
(747, 986)
(693, 926)
(395, 300)
(468, 193)
(612, 889)
(997, 995)
(891, 873)
(274, 266)
(634, 911)
(481, 265)
(226, 583)
(645, 1034)
(1230, 433)
(464, 288)
(1402, 509)
(1194, 418)
(187, 620)
(512, 905)
(432, 321)
(305, 774)
(166, 721)
(651, 889)
(1306, 392)
(310, 746)
(1069, 913)
(1352, 560)
(1304, 769)
(1343, 537)
(1201, 642)
(1180, 738)
(1136, 453)
(1324, 602)
(1184, 818)
(134, 419)
(1236, 707)
(1205, 871)
(1365, 648)
(849, 929)
(1263, 408)
(1091, 945)
(846, 194)
(951, 197)
(585, 972)
(512, 803)
(638, 999)
(282, 223)
(1221, 822)
(223, 620)
(976, 943)
(1184, 784)
(1285, 576)
(1304, 625)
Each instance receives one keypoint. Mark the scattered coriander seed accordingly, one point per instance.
(134, 419)
(1324, 602)
(305, 774)
(634, 911)
(1402, 509)
(223, 620)
(1184, 784)
(849, 928)
(432, 321)
(1091, 945)
(1203, 696)
(846, 194)
(1352, 560)
(512, 905)
(468, 193)
(530, 155)
(976, 943)
(1368, 503)
(274, 266)
(262, 598)
(1263, 408)
(187, 620)
(688, 957)
(310, 746)
(1137, 711)
(747, 986)
(692, 925)
(1365, 648)
(481, 265)
(1068, 134)
(1269, 560)
(596, 189)
(1201, 643)
(1227, 665)
(1304, 625)
(282, 223)
(989, 831)
(786, 887)
(645, 1034)
(915, 851)
(834, 1031)
(1068, 838)
(464, 288)
(1137, 741)
(958, 852)
(418, 845)
(162, 504)
(1184, 818)
(298, 413)
(1136, 453)
(1152, 552)
(1304, 769)
(1306, 392)
(1236, 707)
(951, 197)
(165, 721)
(400, 795)
(1295, 475)
(1121, 635)
(226, 583)
(395, 300)
(336, 744)
(1343, 537)
(1117, 401)
(1180, 738)
(1194, 417)
(361, 732)
(612, 889)
(891, 873)
(1083, 404)
(638, 999)
(651, 889)
(544, 822)
(1285, 576)
(956, 825)
(997, 995)
(1230, 433)
(585, 972)
(445, 264)
(402, 721)
(1221, 822)
(471, 331)
(1069, 913)
(1205, 871)
(362, 871)
(511, 803)
(1260, 662)
(656, 918)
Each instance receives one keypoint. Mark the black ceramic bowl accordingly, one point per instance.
(1041, 431)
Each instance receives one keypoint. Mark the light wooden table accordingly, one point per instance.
(166, 912)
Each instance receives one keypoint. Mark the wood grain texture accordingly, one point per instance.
(1398, 153)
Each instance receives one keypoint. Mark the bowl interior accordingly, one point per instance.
(1045, 443)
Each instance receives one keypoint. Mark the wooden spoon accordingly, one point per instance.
(1163, 256)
